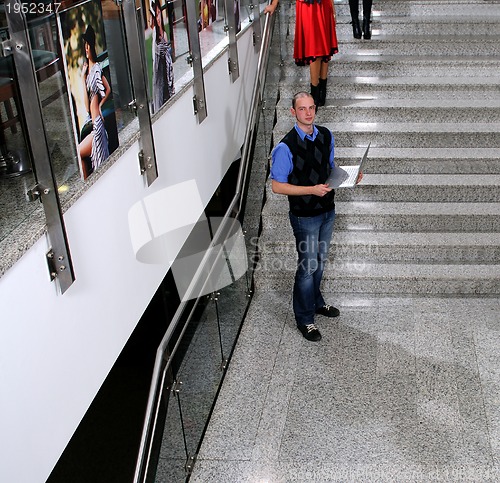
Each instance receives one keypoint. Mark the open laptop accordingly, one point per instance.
(346, 176)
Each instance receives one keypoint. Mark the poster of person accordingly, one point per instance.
(159, 52)
(85, 56)
(208, 13)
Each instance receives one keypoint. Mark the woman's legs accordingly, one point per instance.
(315, 70)
(323, 78)
(318, 71)
(314, 73)
(84, 151)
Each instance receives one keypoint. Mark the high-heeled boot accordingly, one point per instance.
(367, 33)
(315, 95)
(356, 28)
(322, 92)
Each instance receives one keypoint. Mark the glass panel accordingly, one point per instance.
(232, 303)
(172, 458)
(16, 175)
(180, 42)
(200, 371)
(53, 96)
(119, 67)
(211, 23)
(246, 14)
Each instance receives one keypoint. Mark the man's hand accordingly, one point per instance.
(360, 177)
(294, 190)
(320, 189)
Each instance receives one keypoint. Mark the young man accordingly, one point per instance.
(301, 163)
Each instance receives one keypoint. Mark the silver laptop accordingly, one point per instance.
(346, 176)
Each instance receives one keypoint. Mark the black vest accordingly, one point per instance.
(311, 166)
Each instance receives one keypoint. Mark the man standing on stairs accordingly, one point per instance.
(301, 163)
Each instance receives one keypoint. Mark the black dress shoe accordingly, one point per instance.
(356, 29)
(310, 332)
(328, 311)
(367, 33)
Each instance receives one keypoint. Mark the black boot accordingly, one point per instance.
(322, 92)
(315, 95)
(367, 33)
(356, 28)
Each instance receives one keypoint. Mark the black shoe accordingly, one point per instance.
(356, 29)
(310, 332)
(367, 33)
(328, 311)
(322, 92)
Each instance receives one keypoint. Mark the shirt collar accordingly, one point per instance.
(303, 135)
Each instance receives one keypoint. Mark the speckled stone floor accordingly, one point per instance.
(398, 390)
(404, 386)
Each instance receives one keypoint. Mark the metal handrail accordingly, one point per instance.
(163, 358)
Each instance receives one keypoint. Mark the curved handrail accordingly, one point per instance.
(164, 358)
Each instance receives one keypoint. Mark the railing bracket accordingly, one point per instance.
(176, 387)
(34, 193)
(190, 464)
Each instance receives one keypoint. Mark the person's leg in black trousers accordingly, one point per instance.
(356, 28)
(367, 12)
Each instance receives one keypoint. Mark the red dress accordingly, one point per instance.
(315, 34)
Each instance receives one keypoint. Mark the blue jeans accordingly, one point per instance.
(312, 240)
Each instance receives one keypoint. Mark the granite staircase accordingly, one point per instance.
(424, 90)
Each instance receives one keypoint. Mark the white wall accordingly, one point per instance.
(56, 350)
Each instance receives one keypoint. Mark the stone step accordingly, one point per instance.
(400, 110)
(406, 65)
(424, 160)
(393, 278)
(433, 8)
(405, 217)
(422, 9)
(392, 247)
(424, 91)
(404, 45)
(445, 26)
(405, 135)
(378, 87)
(423, 188)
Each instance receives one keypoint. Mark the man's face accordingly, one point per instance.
(304, 111)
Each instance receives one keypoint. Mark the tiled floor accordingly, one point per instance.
(398, 389)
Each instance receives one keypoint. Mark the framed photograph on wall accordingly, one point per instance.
(86, 64)
(159, 52)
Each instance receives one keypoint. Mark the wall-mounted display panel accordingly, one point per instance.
(159, 49)
(16, 173)
(86, 60)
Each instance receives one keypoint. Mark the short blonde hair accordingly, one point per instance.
(300, 95)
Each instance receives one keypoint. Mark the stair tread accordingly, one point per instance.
(415, 154)
(384, 270)
(428, 238)
(284, 125)
(442, 271)
(334, 103)
(404, 80)
(397, 208)
(431, 239)
(431, 179)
